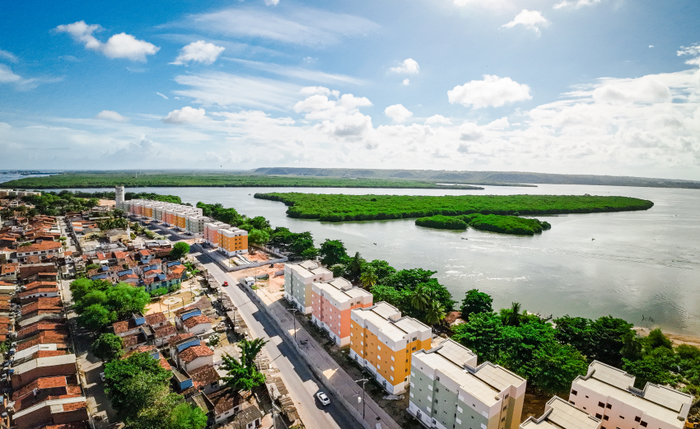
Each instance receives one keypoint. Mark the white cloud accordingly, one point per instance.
(398, 113)
(110, 115)
(9, 56)
(199, 51)
(470, 132)
(498, 124)
(162, 95)
(185, 115)
(575, 3)
(487, 4)
(406, 82)
(226, 89)
(340, 118)
(530, 19)
(272, 2)
(492, 91)
(644, 90)
(438, 119)
(408, 66)
(7, 76)
(651, 46)
(693, 51)
(298, 72)
(302, 26)
(120, 45)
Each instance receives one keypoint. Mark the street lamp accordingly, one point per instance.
(363, 381)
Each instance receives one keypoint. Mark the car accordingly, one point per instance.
(323, 398)
(225, 284)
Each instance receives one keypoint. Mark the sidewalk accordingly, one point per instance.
(334, 375)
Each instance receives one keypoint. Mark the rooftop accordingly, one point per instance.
(560, 414)
(194, 352)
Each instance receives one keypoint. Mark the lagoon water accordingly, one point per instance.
(630, 264)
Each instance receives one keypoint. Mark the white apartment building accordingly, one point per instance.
(298, 279)
(559, 414)
(609, 394)
(449, 391)
(332, 302)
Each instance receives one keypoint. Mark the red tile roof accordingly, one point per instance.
(34, 285)
(51, 305)
(38, 290)
(180, 337)
(196, 320)
(203, 376)
(155, 318)
(124, 326)
(45, 337)
(39, 383)
(165, 331)
(39, 247)
(194, 352)
(74, 406)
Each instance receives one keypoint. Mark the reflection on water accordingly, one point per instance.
(629, 264)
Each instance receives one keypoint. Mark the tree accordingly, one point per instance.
(647, 370)
(483, 334)
(555, 366)
(354, 267)
(124, 300)
(476, 302)
(422, 297)
(368, 278)
(657, 339)
(381, 268)
(250, 350)
(258, 237)
(107, 347)
(168, 411)
(397, 298)
(243, 374)
(179, 250)
(333, 252)
(409, 279)
(96, 317)
(434, 313)
(512, 314)
(135, 383)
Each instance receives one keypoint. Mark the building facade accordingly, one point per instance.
(298, 279)
(609, 394)
(331, 304)
(383, 342)
(233, 241)
(559, 414)
(448, 390)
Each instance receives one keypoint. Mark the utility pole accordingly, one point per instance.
(363, 381)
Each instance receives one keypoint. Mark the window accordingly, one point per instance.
(643, 424)
(598, 416)
(637, 419)
(609, 406)
(601, 405)
(606, 418)
(573, 392)
(622, 417)
(413, 348)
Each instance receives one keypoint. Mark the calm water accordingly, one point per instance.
(628, 265)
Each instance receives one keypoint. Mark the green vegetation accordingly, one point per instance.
(159, 292)
(98, 303)
(212, 179)
(300, 245)
(138, 388)
(442, 222)
(259, 229)
(52, 204)
(338, 208)
(107, 347)
(179, 250)
(494, 223)
(475, 302)
(114, 223)
(243, 374)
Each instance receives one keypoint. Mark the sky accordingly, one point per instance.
(553, 86)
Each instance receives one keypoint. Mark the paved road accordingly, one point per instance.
(300, 381)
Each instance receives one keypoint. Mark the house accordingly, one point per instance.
(145, 256)
(204, 379)
(45, 337)
(382, 341)
(43, 367)
(331, 304)
(162, 335)
(298, 279)
(181, 341)
(43, 249)
(197, 325)
(53, 411)
(559, 414)
(157, 320)
(42, 305)
(448, 390)
(185, 313)
(195, 357)
(115, 235)
(34, 294)
(226, 404)
(248, 417)
(609, 394)
(41, 326)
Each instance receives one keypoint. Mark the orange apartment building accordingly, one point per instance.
(332, 303)
(181, 220)
(382, 341)
(233, 241)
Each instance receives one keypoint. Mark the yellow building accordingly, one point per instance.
(382, 341)
(181, 220)
(233, 241)
(148, 212)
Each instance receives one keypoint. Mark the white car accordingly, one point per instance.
(323, 398)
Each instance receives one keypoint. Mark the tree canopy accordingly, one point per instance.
(98, 303)
(476, 302)
(179, 250)
(107, 347)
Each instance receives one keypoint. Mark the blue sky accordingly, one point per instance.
(562, 86)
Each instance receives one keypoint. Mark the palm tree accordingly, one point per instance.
(355, 267)
(421, 297)
(434, 313)
(250, 350)
(514, 314)
(368, 278)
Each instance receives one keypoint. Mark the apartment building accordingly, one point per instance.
(382, 341)
(331, 304)
(609, 394)
(298, 279)
(233, 241)
(195, 224)
(559, 414)
(449, 390)
(211, 232)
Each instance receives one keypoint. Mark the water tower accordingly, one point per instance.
(119, 196)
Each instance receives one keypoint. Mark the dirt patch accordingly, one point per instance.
(677, 339)
(534, 403)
